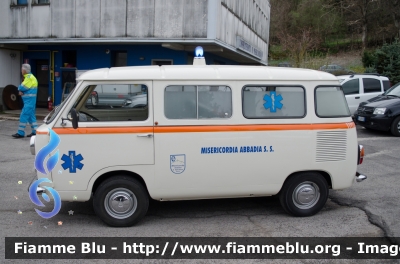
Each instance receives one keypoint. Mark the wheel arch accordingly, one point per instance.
(111, 174)
(324, 174)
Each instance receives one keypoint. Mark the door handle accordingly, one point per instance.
(146, 135)
(357, 97)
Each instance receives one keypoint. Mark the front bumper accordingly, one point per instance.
(378, 122)
(360, 177)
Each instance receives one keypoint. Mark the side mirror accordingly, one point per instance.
(74, 116)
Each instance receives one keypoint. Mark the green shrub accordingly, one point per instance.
(385, 61)
(340, 72)
(368, 59)
(370, 70)
(357, 69)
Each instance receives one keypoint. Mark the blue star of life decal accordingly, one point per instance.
(72, 162)
(273, 102)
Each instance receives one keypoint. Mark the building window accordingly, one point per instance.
(119, 59)
(197, 102)
(22, 2)
(40, 2)
(266, 102)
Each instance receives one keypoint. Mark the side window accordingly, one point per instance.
(273, 102)
(197, 102)
(386, 85)
(351, 87)
(330, 102)
(371, 85)
(113, 102)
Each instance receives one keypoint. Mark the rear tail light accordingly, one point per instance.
(361, 154)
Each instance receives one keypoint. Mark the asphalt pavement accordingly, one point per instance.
(367, 209)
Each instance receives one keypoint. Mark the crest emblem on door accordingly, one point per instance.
(178, 163)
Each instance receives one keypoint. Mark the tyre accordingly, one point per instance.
(121, 201)
(304, 194)
(395, 129)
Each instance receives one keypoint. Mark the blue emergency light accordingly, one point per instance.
(199, 52)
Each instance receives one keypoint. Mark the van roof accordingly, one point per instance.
(208, 72)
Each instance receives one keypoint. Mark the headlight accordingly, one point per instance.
(127, 102)
(379, 111)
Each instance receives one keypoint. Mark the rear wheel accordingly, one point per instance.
(121, 201)
(395, 129)
(304, 194)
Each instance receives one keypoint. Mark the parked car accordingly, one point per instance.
(335, 69)
(136, 101)
(108, 96)
(362, 87)
(381, 112)
(285, 64)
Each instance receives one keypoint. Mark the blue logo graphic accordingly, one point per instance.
(178, 163)
(35, 199)
(40, 166)
(273, 102)
(45, 151)
(72, 162)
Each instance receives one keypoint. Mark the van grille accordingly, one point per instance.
(331, 146)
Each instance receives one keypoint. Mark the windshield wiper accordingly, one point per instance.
(393, 95)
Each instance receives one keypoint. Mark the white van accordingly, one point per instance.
(359, 88)
(205, 132)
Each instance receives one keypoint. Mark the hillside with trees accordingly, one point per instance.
(303, 30)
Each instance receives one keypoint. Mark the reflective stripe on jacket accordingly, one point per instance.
(29, 86)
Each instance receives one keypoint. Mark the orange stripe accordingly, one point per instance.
(101, 130)
(188, 129)
(191, 129)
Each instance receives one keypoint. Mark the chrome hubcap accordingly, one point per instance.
(306, 195)
(398, 126)
(120, 203)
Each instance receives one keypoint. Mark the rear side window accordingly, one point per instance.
(197, 102)
(386, 85)
(371, 85)
(273, 102)
(351, 87)
(330, 102)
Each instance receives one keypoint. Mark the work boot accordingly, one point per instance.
(31, 134)
(16, 135)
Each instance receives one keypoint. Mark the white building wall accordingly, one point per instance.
(10, 72)
(104, 19)
(40, 21)
(113, 18)
(87, 19)
(223, 20)
(62, 19)
(247, 18)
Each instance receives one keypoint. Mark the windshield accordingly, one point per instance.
(50, 117)
(395, 90)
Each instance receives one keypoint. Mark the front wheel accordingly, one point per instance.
(304, 194)
(121, 201)
(395, 129)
